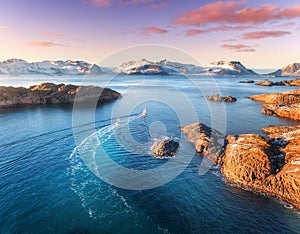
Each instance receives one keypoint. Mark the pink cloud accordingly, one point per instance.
(264, 34)
(286, 25)
(51, 34)
(153, 30)
(235, 12)
(193, 32)
(238, 48)
(43, 44)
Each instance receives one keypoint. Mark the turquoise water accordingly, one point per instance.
(46, 187)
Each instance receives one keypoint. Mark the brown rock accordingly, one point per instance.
(207, 141)
(265, 83)
(285, 105)
(218, 98)
(271, 166)
(49, 93)
(294, 82)
(164, 148)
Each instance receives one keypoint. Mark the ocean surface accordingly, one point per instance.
(50, 181)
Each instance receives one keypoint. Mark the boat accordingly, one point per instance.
(144, 113)
(118, 122)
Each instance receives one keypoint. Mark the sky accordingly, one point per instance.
(260, 34)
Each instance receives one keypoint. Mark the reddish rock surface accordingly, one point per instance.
(285, 105)
(269, 165)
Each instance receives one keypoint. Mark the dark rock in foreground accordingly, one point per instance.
(218, 98)
(285, 105)
(49, 93)
(164, 148)
(270, 165)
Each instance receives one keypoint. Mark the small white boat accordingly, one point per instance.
(118, 121)
(144, 113)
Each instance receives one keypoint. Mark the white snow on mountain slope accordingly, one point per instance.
(69, 67)
(289, 70)
(145, 67)
(229, 68)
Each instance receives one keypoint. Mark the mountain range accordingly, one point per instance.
(142, 67)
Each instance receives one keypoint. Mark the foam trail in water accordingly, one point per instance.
(101, 136)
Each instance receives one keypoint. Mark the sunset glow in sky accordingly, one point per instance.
(260, 34)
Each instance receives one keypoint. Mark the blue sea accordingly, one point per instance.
(53, 178)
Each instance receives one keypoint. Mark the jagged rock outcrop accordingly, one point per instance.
(49, 93)
(267, 165)
(218, 98)
(251, 161)
(294, 82)
(207, 141)
(285, 105)
(264, 83)
(164, 148)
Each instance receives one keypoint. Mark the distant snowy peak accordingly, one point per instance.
(229, 68)
(290, 70)
(69, 67)
(165, 67)
(142, 67)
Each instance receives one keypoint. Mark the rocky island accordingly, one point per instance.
(49, 93)
(294, 82)
(269, 165)
(218, 98)
(285, 104)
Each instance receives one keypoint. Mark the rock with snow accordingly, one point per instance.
(69, 67)
(230, 68)
(290, 70)
(142, 67)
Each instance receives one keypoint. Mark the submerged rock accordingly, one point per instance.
(218, 98)
(285, 105)
(49, 93)
(164, 148)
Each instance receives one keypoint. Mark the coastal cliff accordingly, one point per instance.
(251, 161)
(49, 93)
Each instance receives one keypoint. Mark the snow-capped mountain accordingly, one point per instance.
(232, 68)
(165, 67)
(143, 67)
(69, 67)
(290, 70)
(181, 68)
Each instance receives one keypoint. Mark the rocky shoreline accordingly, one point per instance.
(269, 165)
(285, 104)
(49, 93)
